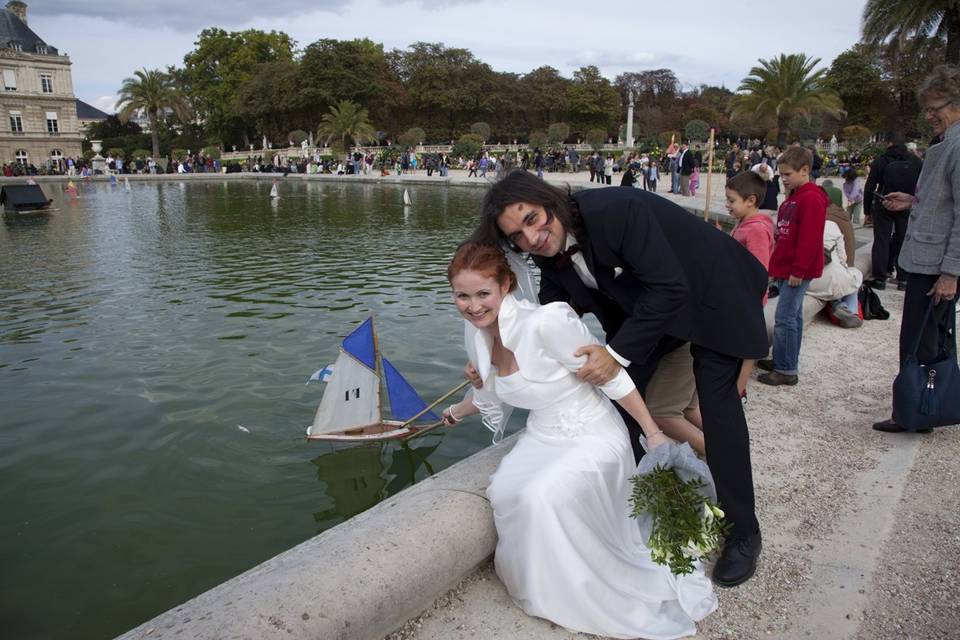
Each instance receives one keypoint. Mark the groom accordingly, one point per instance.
(656, 278)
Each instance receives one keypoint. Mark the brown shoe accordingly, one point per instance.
(776, 379)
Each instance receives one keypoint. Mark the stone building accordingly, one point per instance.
(37, 94)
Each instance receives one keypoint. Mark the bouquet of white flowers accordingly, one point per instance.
(675, 502)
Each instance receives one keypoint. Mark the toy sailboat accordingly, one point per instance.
(406, 198)
(274, 192)
(350, 410)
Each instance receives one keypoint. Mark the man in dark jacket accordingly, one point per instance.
(656, 278)
(686, 164)
(896, 170)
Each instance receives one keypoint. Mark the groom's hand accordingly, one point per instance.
(600, 368)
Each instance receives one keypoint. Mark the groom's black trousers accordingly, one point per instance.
(724, 428)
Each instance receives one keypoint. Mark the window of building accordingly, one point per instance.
(9, 79)
(16, 122)
(16, 46)
(42, 49)
(46, 82)
(53, 125)
(22, 156)
(56, 154)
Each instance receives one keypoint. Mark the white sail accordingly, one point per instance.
(274, 192)
(350, 400)
(126, 183)
(406, 198)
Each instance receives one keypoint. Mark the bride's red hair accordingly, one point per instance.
(483, 258)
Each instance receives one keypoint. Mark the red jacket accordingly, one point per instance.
(799, 247)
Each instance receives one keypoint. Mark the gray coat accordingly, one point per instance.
(932, 242)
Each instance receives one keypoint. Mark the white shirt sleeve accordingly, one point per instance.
(562, 333)
(616, 356)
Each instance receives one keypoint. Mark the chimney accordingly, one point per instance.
(19, 9)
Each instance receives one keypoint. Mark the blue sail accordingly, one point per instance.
(359, 344)
(405, 402)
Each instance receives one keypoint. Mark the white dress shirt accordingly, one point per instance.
(580, 266)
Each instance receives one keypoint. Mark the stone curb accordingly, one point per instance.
(363, 578)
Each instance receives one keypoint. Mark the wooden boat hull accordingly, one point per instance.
(386, 430)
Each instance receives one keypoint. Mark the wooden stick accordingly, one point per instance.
(427, 429)
(706, 205)
(436, 402)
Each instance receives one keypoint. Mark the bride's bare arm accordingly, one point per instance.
(637, 408)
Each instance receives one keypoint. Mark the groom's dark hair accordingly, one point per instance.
(521, 186)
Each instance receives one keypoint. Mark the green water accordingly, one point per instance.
(140, 329)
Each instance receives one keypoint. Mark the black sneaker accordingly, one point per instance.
(766, 364)
(876, 283)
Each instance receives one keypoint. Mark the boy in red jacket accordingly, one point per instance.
(797, 259)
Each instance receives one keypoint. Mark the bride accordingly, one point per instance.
(568, 550)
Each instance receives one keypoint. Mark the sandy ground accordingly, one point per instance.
(861, 529)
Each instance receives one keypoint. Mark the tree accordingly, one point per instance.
(593, 102)
(482, 129)
(649, 122)
(356, 70)
(345, 121)
(651, 88)
(112, 127)
(446, 87)
(154, 92)
(899, 20)
(558, 132)
(696, 130)
(297, 136)
(856, 135)
(272, 101)
(596, 138)
(855, 76)
(785, 87)
(219, 65)
(412, 137)
(468, 146)
(544, 92)
(537, 140)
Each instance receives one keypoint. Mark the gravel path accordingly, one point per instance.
(861, 529)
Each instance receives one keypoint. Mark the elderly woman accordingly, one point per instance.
(931, 249)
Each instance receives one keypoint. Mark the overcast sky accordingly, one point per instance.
(714, 42)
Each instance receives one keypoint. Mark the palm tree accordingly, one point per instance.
(785, 87)
(346, 121)
(901, 19)
(152, 91)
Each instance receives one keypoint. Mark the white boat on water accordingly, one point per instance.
(351, 407)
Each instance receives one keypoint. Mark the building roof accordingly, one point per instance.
(14, 30)
(89, 112)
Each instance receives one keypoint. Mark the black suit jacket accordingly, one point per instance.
(661, 271)
(687, 163)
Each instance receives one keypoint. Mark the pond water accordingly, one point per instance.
(139, 330)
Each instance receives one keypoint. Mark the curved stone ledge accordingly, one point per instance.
(363, 578)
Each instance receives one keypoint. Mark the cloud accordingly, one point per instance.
(184, 15)
(106, 104)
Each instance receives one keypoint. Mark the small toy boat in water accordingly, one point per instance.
(24, 199)
(350, 410)
(274, 192)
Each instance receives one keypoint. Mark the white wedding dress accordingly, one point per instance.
(568, 550)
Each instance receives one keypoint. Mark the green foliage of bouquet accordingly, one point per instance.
(686, 525)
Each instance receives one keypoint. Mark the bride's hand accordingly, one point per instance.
(448, 417)
(659, 438)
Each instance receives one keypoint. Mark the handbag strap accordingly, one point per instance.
(945, 336)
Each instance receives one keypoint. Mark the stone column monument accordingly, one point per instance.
(629, 140)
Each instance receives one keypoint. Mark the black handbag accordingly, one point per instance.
(928, 395)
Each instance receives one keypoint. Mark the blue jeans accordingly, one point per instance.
(788, 327)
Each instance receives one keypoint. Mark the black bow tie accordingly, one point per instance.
(563, 258)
